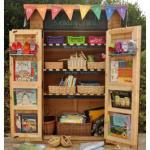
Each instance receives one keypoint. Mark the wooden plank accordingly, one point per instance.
(119, 110)
(25, 107)
(81, 138)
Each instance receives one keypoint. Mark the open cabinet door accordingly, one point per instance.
(26, 59)
(122, 84)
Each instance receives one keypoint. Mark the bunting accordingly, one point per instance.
(69, 9)
(55, 11)
(122, 11)
(109, 11)
(29, 9)
(42, 10)
(96, 10)
(84, 10)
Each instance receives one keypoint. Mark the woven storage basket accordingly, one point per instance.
(61, 90)
(94, 90)
(95, 65)
(83, 129)
(76, 63)
(53, 65)
(49, 125)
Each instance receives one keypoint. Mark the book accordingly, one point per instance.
(18, 123)
(114, 71)
(25, 97)
(25, 70)
(26, 123)
(29, 123)
(120, 125)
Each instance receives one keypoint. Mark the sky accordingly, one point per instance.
(142, 4)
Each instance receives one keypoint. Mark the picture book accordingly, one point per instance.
(29, 123)
(121, 71)
(25, 70)
(120, 125)
(25, 97)
(25, 123)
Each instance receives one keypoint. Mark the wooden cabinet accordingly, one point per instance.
(45, 103)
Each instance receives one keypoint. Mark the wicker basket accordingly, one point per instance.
(95, 65)
(92, 90)
(53, 65)
(83, 129)
(49, 125)
(76, 63)
(62, 90)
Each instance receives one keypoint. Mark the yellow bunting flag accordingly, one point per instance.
(29, 9)
(69, 9)
(84, 10)
(42, 10)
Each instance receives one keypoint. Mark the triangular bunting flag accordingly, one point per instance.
(55, 11)
(122, 11)
(84, 10)
(96, 10)
(29, 9)
(109, 11)
(42, 10)
(69, 11)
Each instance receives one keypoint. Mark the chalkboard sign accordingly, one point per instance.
(62, 22)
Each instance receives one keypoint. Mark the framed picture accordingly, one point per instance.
(25, 97)
(120, 125)
(29, 123)
(25, 70)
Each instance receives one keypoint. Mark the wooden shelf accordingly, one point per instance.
(20, 84)
(120, 140)
(25, 107)
(122, 54)
(81, 138)
(67, 46)
(119, 110)
(22, 55)
(77, 95)
(122, 87)
(74, 71)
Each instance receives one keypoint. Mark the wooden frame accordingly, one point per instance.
(36, 84)
(115, 34)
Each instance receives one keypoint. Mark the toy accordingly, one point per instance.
(33, 47)
(26, 48)
(16, 47)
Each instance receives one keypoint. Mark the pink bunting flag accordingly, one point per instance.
(29, 9)
(122, 11)
(55, 11)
